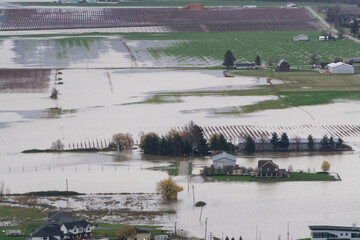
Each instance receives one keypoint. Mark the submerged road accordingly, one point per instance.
(184, 168)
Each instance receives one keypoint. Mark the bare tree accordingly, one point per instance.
(122, 141)
(262, 141)
(2, 188)
(57, 145)
(7, 190)
(297, 142)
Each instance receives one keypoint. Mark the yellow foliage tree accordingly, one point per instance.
(325, 166)
(168, 189)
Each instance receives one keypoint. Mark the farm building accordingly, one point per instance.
(222, 160)
(291, 5)
(340, 68)
(267, 168)
(245, 66)
(301, 37)
(283, 66)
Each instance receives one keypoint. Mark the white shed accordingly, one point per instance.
(301, 37)
(222, 160)
(340, 68)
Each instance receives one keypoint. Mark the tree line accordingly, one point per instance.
(189, 142)
(282, 143)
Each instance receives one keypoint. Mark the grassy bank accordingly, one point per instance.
(294, 177)
(271, 46)
(110, 230)
(178, 3)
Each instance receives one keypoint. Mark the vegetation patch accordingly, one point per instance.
(293, 176)
(271, 46)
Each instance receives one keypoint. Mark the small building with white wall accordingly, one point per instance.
(334, 232)
(223, 160)
(301, 37)
(340, 68)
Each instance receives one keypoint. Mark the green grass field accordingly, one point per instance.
(294, 177)
(176, 3)
(271, 46)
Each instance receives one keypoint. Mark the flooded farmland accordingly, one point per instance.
(99, 103)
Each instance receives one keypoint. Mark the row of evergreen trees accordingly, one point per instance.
(282, 143)
(189, 142)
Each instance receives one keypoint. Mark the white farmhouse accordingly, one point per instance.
(334, 232)
(222, 160)
(340, 68)
(301, 37)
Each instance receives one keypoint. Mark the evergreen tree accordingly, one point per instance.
(240, 238)
(310, 143)
(203, 148)
(354, 28)
(227, 238)
(229, 59)
(274, 140)
(214, 145)
(232, 238)
(249, 145)
(177, 145)
(165, 147)
(339, 144)
(284, 141)
(324, 143)
(222, 143)
(187, 149)
(258, 60)
(331, 144)
(150, 143)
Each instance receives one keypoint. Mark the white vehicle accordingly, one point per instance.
(161, 237)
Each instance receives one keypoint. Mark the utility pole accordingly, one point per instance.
(193, 194)
(288, 233)
(67, 186)
(205, 227)
(210, 236)
(175, 229)
(256, 233)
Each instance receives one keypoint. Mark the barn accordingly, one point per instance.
(223, 160)
(301, 37)
(283, 66)
(340, 68)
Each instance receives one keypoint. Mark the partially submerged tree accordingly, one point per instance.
(122, 141)
(168, 189)
(325, 166)
(54, 93)
(274, 140)
(310, 143)
(150, 143)
(229, 59)
(200, 204)
(284, 141)
(249, 145)
(57, 145)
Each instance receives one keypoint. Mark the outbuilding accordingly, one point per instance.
(283, 66)
(222, 160)
(301, 37)
(340, 68)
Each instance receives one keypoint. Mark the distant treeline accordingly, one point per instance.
(188, 142)
(316, 1)
(53, 193)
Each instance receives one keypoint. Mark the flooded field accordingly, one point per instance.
(98, 103)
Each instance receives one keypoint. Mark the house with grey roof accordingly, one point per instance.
(61, 226)
(223, 160)
(46, 233)
(268, 169)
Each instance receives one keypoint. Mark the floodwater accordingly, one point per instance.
(98, 111)
(91, 52)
